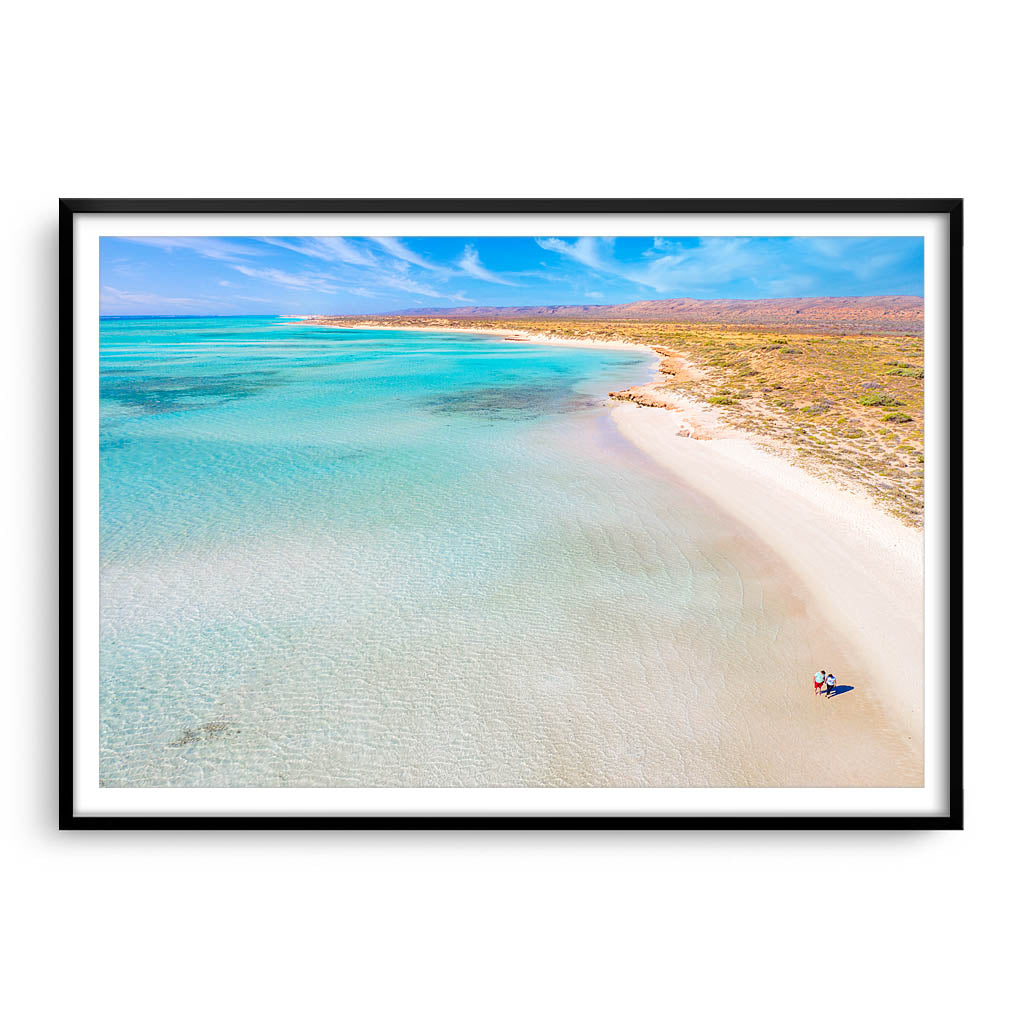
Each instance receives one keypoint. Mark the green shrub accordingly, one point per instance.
(896, 417)
(879, 399)
(721, 400)
(914, 372)
(823, 405)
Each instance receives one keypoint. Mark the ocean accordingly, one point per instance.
(387, 558)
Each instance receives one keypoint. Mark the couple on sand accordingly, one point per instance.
(829, 682)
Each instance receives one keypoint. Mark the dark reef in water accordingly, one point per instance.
(512, 403)
(152, 395)
(205, 733)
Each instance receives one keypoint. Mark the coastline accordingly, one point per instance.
(861, 567)
(526, 337)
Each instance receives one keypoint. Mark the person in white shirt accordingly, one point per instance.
(830, 685)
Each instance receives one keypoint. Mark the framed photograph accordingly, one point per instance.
(511, 513)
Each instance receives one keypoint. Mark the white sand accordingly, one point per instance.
(862, 568)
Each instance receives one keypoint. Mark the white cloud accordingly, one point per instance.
(111, 296)
(211, 248)
(399, 282)
(470, 264)
(670, 267)
(331, 249)
(397, 248)
(117, 301)
(302, 282)
(377, 274)
(583, 250)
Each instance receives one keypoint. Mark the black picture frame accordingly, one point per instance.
(951, 208)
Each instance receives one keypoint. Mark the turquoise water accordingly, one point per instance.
(364, 558)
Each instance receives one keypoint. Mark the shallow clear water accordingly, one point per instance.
(357, 558)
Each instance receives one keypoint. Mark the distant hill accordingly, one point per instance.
(898, 313)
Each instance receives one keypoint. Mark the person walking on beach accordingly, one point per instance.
(830, 686)
(819, 680)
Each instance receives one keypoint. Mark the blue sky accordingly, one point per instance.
(205, 276)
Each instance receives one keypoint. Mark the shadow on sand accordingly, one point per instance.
(839, 690)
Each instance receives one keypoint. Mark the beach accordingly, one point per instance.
(857, 569)
(386, 557)
(861, 568)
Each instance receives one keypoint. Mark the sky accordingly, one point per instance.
(242, 275)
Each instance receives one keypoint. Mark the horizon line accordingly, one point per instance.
(411, 311)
